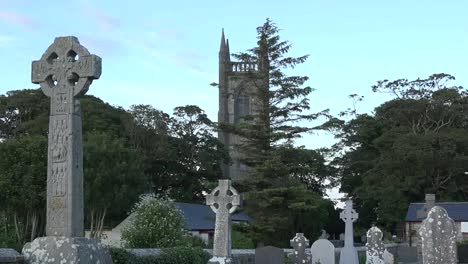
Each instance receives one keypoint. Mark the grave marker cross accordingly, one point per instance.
(349, 216)
(224, 201)
(65, 72)
(300, 243)
(348, 254)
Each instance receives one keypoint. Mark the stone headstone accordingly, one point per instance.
(224, 201)
(342, 236)
(10, 256)
(374, 246)
(348, 254)
(324, 235)
(323, 252)
(269, 255)
(65, 72)
(388, 257)
(438, 238)
(299, 243)
(462, 253)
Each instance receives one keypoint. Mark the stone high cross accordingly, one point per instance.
(438, 238)
(65, 72)
(299, 243)
(348, 253)
(224, 201)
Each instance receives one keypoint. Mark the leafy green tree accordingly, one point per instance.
(285, 182)
(200, 154)
(181, 153)
(411, 145)
(23, 172)
(156, 223)
(114, 179)
(23, 112)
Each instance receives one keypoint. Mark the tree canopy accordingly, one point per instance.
(411, 145)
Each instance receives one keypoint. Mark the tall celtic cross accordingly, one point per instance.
(348, 254)
(224, 201)
(65, 72)
(349, 216)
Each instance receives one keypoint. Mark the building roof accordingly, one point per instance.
(201, 217)
(458, 211)
(198, 217)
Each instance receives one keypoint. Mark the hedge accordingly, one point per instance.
(179, 255)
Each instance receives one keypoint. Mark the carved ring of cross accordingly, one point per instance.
(233, 200)
(66, 64)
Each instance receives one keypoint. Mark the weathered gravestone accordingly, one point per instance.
(224, 201)
(10, 256)
(348, 254)
(269, 255)
(299, 243)
(374, 246)
(388, 257)
(462, 251)
(438, 238)
(64, 73)
(323, 252)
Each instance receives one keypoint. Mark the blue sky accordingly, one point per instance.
(164, 53)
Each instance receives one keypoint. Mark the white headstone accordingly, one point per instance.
(388, 257)
(438, 238)
(374, 246)
(348, 254)
(224, 201)
(323, 252)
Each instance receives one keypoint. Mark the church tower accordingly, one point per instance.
(238, 82)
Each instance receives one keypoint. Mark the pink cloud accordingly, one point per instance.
(105, 21)
(18, 19)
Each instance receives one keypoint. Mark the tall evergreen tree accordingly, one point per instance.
(285, 182)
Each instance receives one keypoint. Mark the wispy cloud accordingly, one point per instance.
(190, 59)
(101, 45)
(6, 40)
(18, 19)
(103, 20)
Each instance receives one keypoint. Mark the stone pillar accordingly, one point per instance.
(65, 72)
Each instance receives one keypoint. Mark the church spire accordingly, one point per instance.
(228, 53)
(224, 48)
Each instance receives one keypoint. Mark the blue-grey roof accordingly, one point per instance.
(201, 217)
(458, 211)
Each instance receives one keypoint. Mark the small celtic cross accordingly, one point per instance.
(224, 201)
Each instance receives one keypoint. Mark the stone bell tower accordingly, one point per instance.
(238, 84)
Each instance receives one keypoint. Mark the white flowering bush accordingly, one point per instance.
(157, 223)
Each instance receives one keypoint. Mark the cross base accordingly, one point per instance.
(349, 255)
(77, 250)
(220, 260)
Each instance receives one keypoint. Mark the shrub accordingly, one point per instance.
(157, 223)
(179, 255)
(121, 256)
(241, 240)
